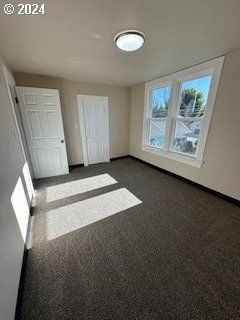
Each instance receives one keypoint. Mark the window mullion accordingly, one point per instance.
(147, 132)
(171, 115)
(201, 120)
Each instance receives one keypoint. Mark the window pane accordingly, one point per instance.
(159, 101)
(186, 136)
(157, 134)
(194, 95)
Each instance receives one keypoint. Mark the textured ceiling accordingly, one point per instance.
(74, 39)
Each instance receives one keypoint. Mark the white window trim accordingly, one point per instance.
(212, 67)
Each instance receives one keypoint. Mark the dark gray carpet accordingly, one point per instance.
(174, 256)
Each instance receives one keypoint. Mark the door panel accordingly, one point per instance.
(42, 120)
(34, 124)
(30, 99)
(95, 127)
(48, 99)
(51, 124)
(56, 157)
(42, 157)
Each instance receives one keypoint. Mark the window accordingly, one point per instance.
(178, 111)
(160, 98)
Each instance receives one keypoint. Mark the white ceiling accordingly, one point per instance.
(74, 39)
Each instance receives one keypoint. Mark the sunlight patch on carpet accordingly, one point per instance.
(72, 188)
(78, 215)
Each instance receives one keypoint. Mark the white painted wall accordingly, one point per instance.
(13, 194)
(119, 111)
(221, 168)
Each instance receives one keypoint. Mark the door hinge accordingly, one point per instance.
(16, 99)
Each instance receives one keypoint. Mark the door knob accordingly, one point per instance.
(62, 141)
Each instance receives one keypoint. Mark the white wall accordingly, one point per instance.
(221, 167)
(119, 111)
(13, 223)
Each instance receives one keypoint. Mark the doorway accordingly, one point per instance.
(94, 127)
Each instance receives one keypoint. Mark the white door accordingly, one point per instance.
(42, 120)
(94, 125)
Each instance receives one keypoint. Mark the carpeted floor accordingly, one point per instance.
(124, 241)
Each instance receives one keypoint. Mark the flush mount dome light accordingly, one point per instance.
(130, 40)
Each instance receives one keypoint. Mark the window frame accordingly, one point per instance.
(213, 68)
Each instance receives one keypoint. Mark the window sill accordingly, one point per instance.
(173, 156)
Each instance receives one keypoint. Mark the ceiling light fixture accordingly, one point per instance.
(130, 40)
